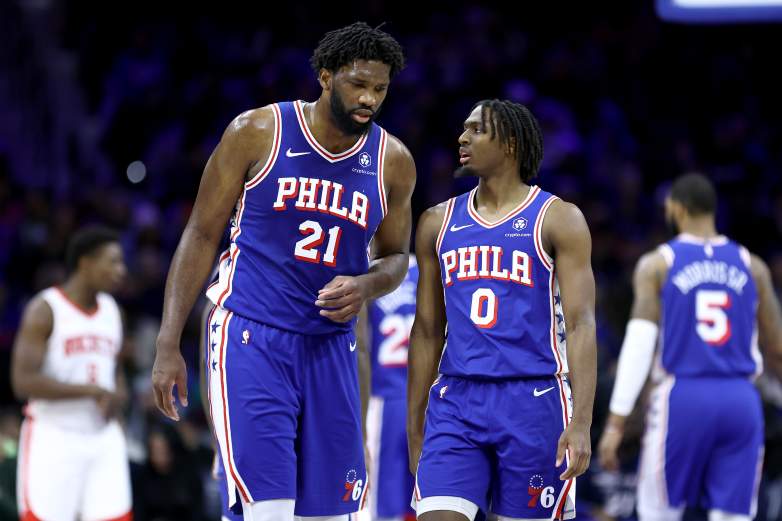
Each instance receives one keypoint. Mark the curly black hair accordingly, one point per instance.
(87, 241)
(357, 41)
(518, 130)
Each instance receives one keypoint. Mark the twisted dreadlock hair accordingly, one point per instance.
(518, 130)
(357, 41)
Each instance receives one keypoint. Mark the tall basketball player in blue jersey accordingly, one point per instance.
(708, 298)
(306, 186)
(503, 269)
(387, 332)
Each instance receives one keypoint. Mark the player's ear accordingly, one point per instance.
(324, 78)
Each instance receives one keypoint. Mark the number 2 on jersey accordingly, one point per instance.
(396, 339)
(306, 248)
(713, 323)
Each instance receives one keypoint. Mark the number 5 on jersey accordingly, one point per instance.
(713, 323)
(306, 248)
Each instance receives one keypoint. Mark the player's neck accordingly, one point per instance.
(79, 293)
(325, 130)
(701, 227)
(499, 192)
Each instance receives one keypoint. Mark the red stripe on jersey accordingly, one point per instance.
(380, 170)
(317, 146)
(274, 152)
(533, 192)
(86, 312)
(444, 226)
(538, 233)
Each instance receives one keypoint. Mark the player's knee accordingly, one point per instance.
(721, 515)
(272, 510)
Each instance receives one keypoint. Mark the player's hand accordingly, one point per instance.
(575, 441)
(169, 369)
(109, 404)
(608, 447)
(342, 298)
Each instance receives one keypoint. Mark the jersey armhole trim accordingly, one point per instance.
(275, 151)
(444, 226)
(746, 258)
(544, 257)
(667, 253)
(381, 154)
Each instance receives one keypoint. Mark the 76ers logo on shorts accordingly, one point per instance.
(353, 487)
(540, 494)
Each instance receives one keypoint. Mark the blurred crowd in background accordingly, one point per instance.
(108, 114)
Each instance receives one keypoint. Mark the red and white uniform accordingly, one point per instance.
(73, 463)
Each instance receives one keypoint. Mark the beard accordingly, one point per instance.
(465, 171)
(342, 116)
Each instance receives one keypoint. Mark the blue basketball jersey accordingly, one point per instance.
(306, 217)
(502, 300)
(390, 320)
(709, 302)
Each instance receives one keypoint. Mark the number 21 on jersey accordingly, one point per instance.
(307, 248)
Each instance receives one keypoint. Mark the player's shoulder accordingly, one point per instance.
(564, 223)
(38, 312)
(431, 221)
(562, 212)
(250, 126)
(260, 119)
(398, 159)
(654, 264)
(759, 269)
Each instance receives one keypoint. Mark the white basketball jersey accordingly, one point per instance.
(82, 349)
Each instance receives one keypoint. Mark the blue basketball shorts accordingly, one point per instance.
(287, 415)
(492, 444)
(218, 473)
(392, 483)
(703, 447)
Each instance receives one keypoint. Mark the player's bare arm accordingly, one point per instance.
(769, 316)
(566, 234)
(27, 379)
(244, 147)
(648, 277)
(427, 337)
(342, 298)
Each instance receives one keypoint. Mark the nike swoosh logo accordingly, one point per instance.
(541, 393)
(288, 153)
(455, 228)
(352, 346)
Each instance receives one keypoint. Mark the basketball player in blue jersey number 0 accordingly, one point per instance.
(713, 300)
(306, 186)
(502, 270)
